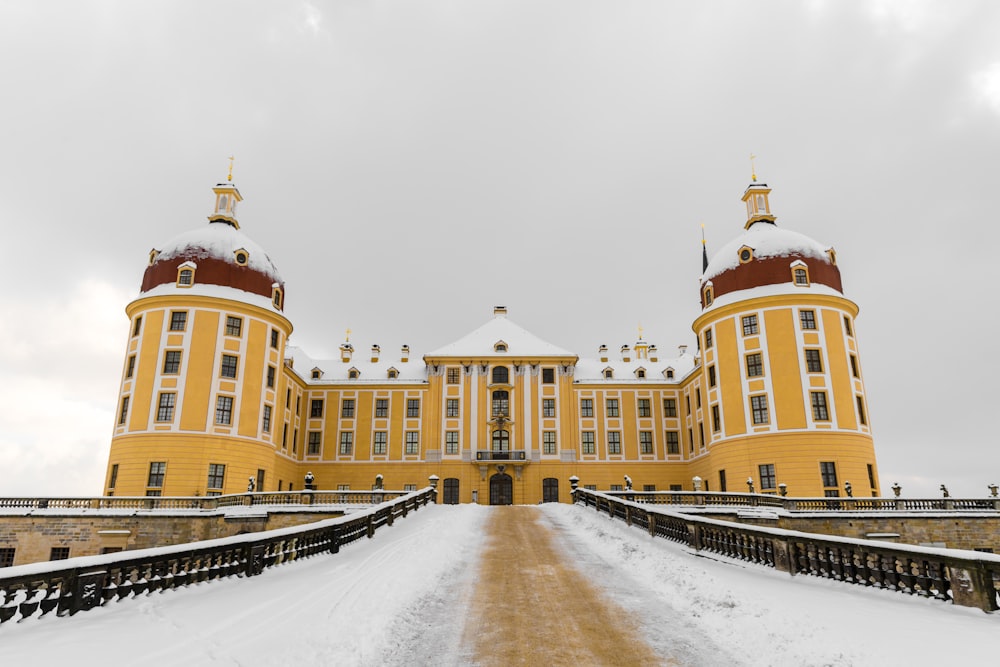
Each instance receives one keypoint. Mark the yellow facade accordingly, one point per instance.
(213, 396)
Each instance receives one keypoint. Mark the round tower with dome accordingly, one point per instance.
(784, 394)
(201, 386)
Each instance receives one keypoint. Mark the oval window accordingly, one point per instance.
(745, 255)
(241, 258)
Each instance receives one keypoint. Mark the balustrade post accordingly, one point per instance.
(370, 525)
(651, 524)
(335, 540)
(973, 587)
(782, 559)
(694, 536)
(628, 515)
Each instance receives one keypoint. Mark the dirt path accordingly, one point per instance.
(532, 607)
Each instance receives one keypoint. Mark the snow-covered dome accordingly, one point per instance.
(217, 254)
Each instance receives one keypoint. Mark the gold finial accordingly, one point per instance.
(753, 169)
(347, 336)
(703, 233)
(230, 176)
(640, 331)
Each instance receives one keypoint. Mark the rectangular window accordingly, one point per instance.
(216, 475)
(612, 407)
(270, 376)
(649, 487)
(284, 435)
(316, 407)
(708, 339)
(614, 442)
(295, 440)
(828, 472)
(690, 441)
(451, 407)
(701, 435)
(412, 442)
(234, 326)
(616, 487)
(454, 375)
(814, 363)
(820, 413)
(130, 369)
(413, 407)
(643, 407)
(831, 493)
(123, 414)
(807, 319)
(224, 410)
(854, 366)
(114, 476)
(265, 423)
(346, 443)
(716, 419)
(861, 409)
(847, 325)
(165, 408)
(722, 481)
(711, 376)
(587, 442)
(178, 320)
(275, 338)
(670, 407)
(871, 478)
(687, 404)
(157, 471)
(548, 407)
(59, 553)
(645, 442)
(347, 408)
(697, 395)
(138, 326)
(548, 376)
(767, 477)
(750, 325)
(673, 442)
(586, 407)
(172, 362)
(451, 442)
(380, 442)
(758, 406)
(6, 556)
(228, 368)
(755, 365)
(153, 492)
(381, 407)
(549, 442)
(676, 487)
(315, 442)
(409, 487)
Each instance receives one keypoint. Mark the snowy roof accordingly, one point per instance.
(767, 240)
(214, 291)
(520, 342)
(592, 370)
(219, 240)
(776, 289)
(335, 370)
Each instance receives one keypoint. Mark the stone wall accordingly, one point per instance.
(33, 536)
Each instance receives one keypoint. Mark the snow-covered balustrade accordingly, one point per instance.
(966, 578)
(273, 498)
(838, 504)
(78, 584)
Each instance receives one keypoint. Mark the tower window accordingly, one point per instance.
(708, 339)
(814, 362)
(241, 257)
(216, 475)
(828, 473)
(758, 408)
(861, 409)
(716, 419)
(229, 364)
(767, 476)
(755, 365)
(224, 410)
(157, 472)
(847, 325)
(819, 409)
(172, 362)
(266, 421)
(854, 367)
(708, 296)
(165, 409)
(185, 277)
(270, 376)
(275, 338)
(130, 369)
(801, 277)
(137, 327)
(711, 376)
(178, 320)
(123, 414)
(807, 319)
(234, 326)
(750, 325)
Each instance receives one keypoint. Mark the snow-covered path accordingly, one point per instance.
(402, 599)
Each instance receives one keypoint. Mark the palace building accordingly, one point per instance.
(213, 395)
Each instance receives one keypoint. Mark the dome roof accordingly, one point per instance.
(220, 254)
(772, 253)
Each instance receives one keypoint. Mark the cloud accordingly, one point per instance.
(986, 84)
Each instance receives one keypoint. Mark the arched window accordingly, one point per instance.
(501, 375)
(501, 403)
(501, 441)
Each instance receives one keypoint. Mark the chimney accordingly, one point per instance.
(603, 351)
(499, 311)
(404, 355)
(653, 353)
(682, 350)
(626, 353)
(346, 350)
(375, 350)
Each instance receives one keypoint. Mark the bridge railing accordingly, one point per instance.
(966, 578)
(170, 503)
(838, 504)
(78, 584)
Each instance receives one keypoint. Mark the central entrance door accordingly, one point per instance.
(550, 490)
(451, 491)
(501, 489)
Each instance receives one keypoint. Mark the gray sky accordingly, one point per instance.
(409, 164)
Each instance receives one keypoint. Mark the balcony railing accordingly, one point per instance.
(838, 504)
(966, 578)
(510, 455)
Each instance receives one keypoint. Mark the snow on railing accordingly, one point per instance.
(836, 504)
(82, 583)
(966, 578)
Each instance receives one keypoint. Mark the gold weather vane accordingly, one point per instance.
(230, 176)
(347, 336)
(703, 233)
(753, 169)
(640, 331)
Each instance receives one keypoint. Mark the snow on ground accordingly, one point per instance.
(398, 599)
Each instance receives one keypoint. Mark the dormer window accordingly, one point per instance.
(640, 373)
(668, 373)
(800, 273)
(185, 274)
(500, 346)
(316, 374)
(241, 256)
(832, 255)
(276, 296)
(608, 373)
(153, 254)
(745, 254)
(353, 374)
(708, 294)
(392, 373)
